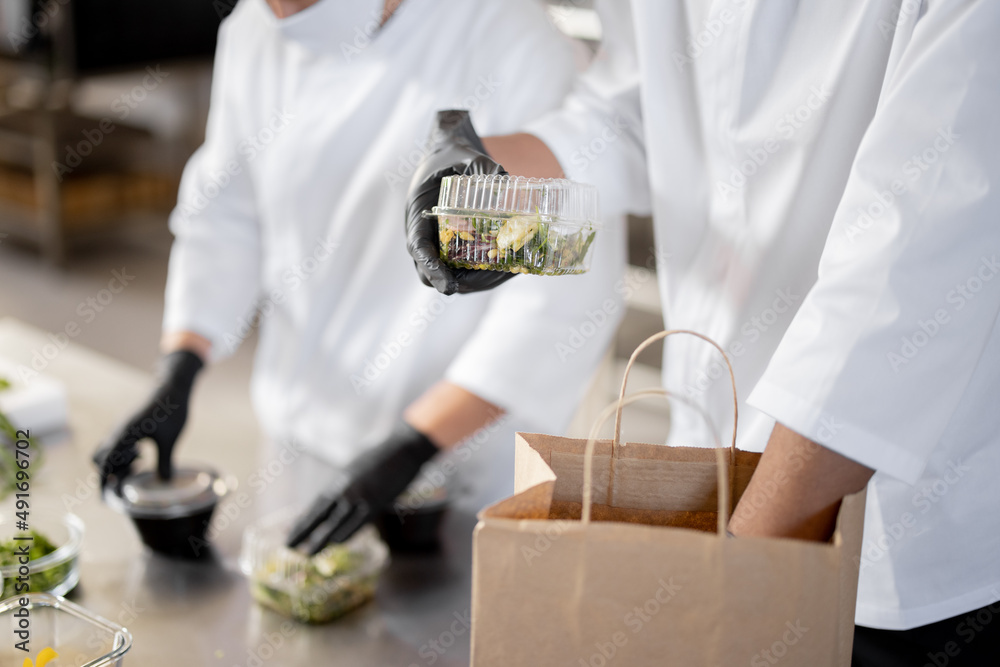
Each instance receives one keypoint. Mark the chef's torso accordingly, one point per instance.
(754, 113)
(330, 115)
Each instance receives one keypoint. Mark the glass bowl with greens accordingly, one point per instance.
(520, 225)
(315, 589)
(53, 551)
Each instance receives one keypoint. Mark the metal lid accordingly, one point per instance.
(189, 490)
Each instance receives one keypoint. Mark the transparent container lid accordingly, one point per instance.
(502, 196)
(80, 637)
(264, 549)
(190, 490)
(313, 589)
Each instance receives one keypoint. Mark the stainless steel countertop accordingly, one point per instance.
(184, 613)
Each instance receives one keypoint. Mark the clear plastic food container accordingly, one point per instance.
(314, 589)
(56, 572)
(516, 224)
(81, 638)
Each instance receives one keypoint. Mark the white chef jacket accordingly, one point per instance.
(860, 137)
(294, 207)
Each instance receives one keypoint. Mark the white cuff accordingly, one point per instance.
(834, 433)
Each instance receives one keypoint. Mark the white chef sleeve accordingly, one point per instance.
(908, 292)
(597, 134)
(540, 341)
(213, 276)
(526, 81)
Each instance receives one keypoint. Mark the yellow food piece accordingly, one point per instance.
(466, 236)
(447, 234)
(514, 233)
(43, 659)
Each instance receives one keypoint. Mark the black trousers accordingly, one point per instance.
(971, 639)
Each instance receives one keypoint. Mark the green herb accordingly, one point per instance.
(4, 383)
(38, 547)
(317, 589)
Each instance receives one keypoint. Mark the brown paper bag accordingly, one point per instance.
(646, 575)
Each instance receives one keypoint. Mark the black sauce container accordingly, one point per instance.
(172, 516)
(414, 524)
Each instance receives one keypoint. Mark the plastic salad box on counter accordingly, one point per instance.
(312, 589)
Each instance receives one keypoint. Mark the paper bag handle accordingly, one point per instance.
(726, 473)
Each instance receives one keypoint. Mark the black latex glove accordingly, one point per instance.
(160, 419)
(375, 480)
(456, 150)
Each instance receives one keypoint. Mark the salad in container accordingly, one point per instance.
(311, 589)
(515, 224)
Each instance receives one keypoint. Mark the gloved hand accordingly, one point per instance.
(375, 480)
(161, 419)
(456, 151)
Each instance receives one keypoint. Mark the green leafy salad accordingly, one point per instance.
(317, 589)
(523, 244)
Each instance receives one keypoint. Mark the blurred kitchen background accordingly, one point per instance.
(119, 108)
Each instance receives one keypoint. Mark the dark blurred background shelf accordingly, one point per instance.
(72, 165)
